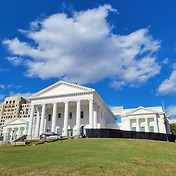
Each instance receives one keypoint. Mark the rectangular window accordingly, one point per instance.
(133, 128)
(70, 115)
(59, 115)
(152, 129)
(142, 129)
(49, 117)
(82, 114)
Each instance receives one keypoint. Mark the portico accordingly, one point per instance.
(15, 128)
(141, 119)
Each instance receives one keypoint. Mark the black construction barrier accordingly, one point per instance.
(112, 133)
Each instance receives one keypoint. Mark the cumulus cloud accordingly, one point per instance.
(14, 60)
(171, 110)
(83, 48)
(168, 86)
(24, 95)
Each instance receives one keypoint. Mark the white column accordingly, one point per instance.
(95, 116)
(66, 119)
(129, 127)
(98, 115)
(31, 121)
(91, 113)
(37, 123)
(78, 117)
(25, 131)
(146, 125)
(18, 133)
(42, 118)
(156, 125)
(137, 125)
(53, 125)
(5, 135)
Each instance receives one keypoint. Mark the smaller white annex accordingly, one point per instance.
(144, 119)
(15, 128)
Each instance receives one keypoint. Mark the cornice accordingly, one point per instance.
(60, 96)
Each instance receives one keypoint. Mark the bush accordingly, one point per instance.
(173, 128)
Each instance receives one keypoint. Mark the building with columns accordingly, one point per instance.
(13, 108)
(150, 119)
(67, 109)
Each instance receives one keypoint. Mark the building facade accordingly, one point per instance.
(69, 109)
(13, 107)
(150, 119)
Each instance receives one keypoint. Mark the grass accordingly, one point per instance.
(90, 157)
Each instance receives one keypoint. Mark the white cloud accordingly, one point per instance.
(171, 110)
(165, 61)
(117, 84)
(24, 95)
(2, 86)
(14, 60)
(168, 86)
(82, 48)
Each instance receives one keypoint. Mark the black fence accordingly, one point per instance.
(112, 133)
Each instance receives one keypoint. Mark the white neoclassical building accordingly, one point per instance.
(67, 109)
(15, 128)
(150, 119)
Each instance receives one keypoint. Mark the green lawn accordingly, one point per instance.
(90, 157)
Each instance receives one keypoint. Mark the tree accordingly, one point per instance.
(173, 128)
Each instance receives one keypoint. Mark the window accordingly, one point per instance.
(142, 129)
(59, 115)
(152, 129)
(49, 117)
(70, 115)
(133, 128)
(6, 102)
(10, 102)
(58, 131)
(13, 101)
(82, 114)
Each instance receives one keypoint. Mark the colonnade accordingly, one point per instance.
(138, 126)
(41, 112)
(13, 133)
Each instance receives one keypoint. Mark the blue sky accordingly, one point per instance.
(126, 50)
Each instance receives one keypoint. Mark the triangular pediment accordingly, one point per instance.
(140, 110)
(16, 121)
(61, 88)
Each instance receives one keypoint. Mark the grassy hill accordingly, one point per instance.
(90, 157)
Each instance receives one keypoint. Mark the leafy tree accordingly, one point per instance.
(173, 128)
